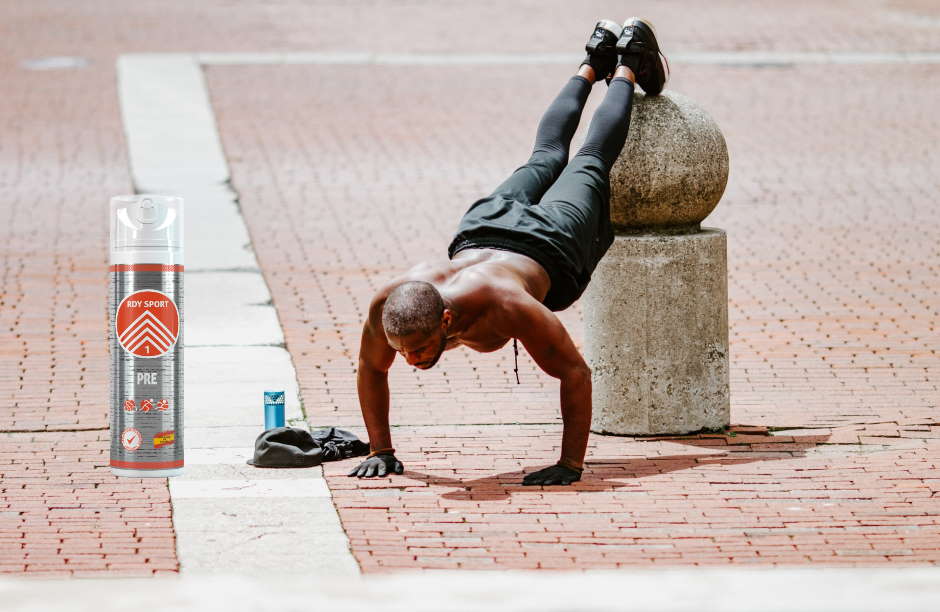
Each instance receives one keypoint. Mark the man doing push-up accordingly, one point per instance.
(520, 254)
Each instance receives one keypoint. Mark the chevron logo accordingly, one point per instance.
(147, 323)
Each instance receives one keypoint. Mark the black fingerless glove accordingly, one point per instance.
(555, 474)
(381, 464)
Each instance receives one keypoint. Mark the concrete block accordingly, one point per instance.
(656, 334)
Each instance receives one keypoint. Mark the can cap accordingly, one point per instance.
(146, 220)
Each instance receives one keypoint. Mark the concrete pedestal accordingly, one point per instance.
(656, 330)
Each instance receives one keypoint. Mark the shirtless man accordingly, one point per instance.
(519, 255)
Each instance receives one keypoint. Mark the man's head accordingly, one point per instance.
(416, 322)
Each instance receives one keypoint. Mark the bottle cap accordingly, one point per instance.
(146, 221)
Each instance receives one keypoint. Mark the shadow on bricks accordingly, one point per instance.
(607, 475)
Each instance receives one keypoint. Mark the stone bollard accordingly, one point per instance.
(656, 310)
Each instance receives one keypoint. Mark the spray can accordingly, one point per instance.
(146, 335)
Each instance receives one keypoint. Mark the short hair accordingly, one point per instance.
(413, 306)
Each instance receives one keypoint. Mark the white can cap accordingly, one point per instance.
(146, 221)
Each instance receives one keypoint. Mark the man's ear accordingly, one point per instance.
(447, 317)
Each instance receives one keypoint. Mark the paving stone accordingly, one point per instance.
(306, 487)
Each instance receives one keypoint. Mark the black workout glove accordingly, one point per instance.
(379, 465)
(555, 474)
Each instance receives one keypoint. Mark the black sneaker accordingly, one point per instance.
(602, 49)
(640, 52)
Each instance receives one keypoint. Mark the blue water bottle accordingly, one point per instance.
(273, 409)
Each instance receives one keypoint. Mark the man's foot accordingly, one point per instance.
(602, 49)
(640, 52)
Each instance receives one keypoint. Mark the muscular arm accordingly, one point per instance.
(375, 359)
(547, 340)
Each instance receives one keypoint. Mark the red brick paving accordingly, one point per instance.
(806, 351)
(363, 171)
(61, 511)
(694, 500)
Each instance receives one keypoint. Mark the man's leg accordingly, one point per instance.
(580, 197)
(552, 140)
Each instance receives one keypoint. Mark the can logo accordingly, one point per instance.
(147, 323)
(131, 438)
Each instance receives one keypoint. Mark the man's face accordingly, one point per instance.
(420, 350)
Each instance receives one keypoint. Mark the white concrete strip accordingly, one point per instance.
(285, 488)
(239, 363)
(744, 58)
(215, 456)
(234, 345)
(224, 436)
(757, 58)
(60, 62)
(215, 233)
(218, 303)
(908, 589)
(169, 124)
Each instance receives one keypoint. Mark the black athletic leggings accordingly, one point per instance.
(548, 176)
(554, 210)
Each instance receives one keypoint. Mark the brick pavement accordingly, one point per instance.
(833, 318)
(62, 153)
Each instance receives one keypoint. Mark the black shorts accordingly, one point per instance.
(567, 234)
(555, 211)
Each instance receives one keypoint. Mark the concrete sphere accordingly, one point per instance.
(672, 170)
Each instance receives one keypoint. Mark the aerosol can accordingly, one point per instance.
(146, 335)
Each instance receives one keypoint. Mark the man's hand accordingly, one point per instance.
(549, 344)
(379, 465)
(555, 474)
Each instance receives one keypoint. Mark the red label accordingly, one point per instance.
(146, 465)
(146, 268)
(147, 323)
